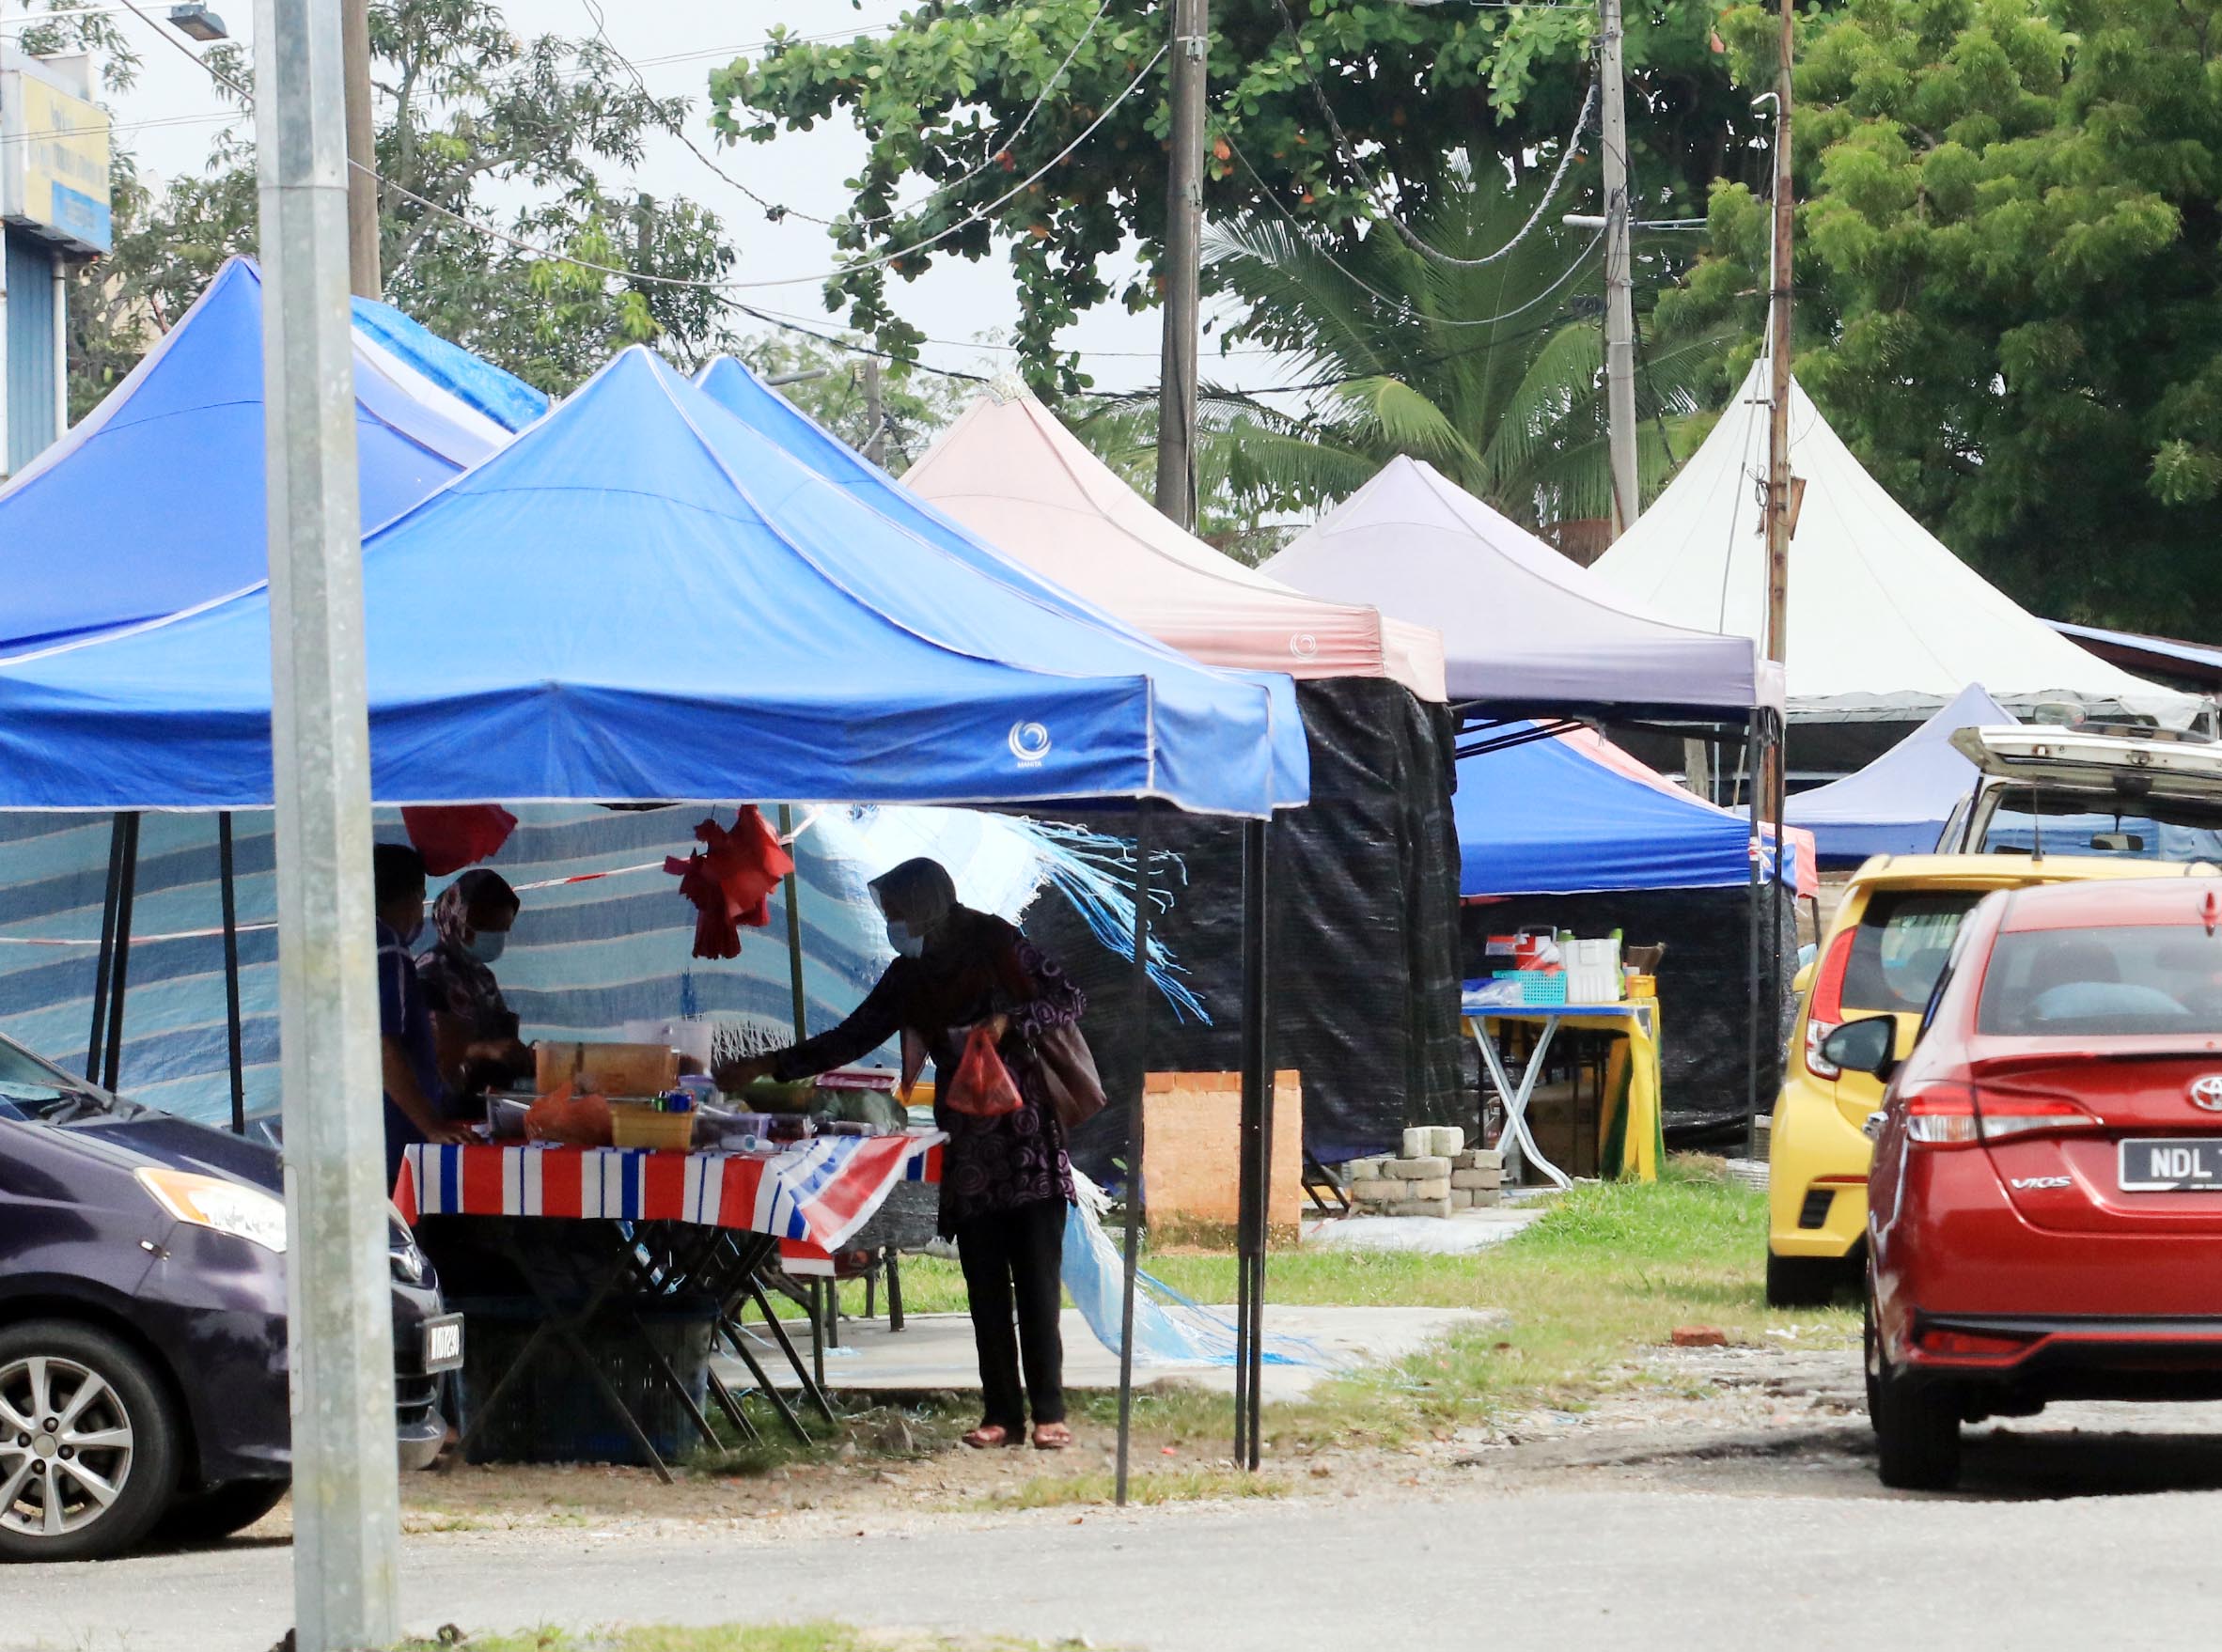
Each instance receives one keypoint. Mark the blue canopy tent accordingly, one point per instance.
(1898, 803)
(661, 604)
(1573, 816)
(498, 394)
(154, 501)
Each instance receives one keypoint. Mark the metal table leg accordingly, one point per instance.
(1516, 1138)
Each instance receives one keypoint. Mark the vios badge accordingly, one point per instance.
(1030, 744)
(2206, 1092)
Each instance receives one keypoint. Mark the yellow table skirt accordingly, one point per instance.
(1631, 1133)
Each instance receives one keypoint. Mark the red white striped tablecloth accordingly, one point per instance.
(815, 1194)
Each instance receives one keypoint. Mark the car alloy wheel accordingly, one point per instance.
(87, 1448)
(65, 1444)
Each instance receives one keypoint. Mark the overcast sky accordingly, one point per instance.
(169, 120)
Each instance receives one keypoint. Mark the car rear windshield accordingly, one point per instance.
(2076, 823)
(1901, 946)
(2087, 983)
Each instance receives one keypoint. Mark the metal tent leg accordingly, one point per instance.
(120, 966)
(1139, 1035)
(1256, 1152)
(98, 1042)
(234, 1043)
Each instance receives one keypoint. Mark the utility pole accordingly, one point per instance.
(1770, 773)
(1778, 393)
(346, 1495)
(875, 415)
(364, 277)
(1620, 307)
(1183, 252)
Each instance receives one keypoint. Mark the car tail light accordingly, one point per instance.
(1950, 1116)
(2006, 1115)
(1825, 1012)
(1940, 1115)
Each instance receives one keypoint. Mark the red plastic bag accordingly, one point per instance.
(983, 1087)
(577, 1121)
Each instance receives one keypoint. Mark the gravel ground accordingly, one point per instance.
(1730, 1499)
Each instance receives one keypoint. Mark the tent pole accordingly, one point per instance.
(794, 931)
(1752, 758)
(120, 973)
(1138, 1036)
(227, 878)
(1257, 1064)
(99, 1039)
(1245, 1150)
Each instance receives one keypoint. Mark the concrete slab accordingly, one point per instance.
(934, 1351)
(1459, 1233)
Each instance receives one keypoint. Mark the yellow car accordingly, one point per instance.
(1882, 956)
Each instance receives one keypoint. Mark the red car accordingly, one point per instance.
(2045, 1208)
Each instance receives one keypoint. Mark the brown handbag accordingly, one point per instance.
(1069, 1075)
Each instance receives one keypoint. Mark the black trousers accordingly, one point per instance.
(1013, 1264)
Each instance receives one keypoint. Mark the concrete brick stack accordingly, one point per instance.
(1436, 1176)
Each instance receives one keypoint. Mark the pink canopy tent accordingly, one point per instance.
(1012, 473)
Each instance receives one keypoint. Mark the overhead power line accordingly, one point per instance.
(1349, 153)
(977, 215)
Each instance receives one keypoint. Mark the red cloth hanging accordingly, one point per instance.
(451, 836)
(730, 881)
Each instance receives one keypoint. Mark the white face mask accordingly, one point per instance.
(904, 943)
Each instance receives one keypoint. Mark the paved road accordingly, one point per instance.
(2064, 1540)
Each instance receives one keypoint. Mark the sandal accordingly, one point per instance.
(987, 1435)
(1052, 1436)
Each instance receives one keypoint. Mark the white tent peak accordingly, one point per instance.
(1886, 622)
(1522, 624)
(1009, 471)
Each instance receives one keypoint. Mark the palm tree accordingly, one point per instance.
(1493, 374)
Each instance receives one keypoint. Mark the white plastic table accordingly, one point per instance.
(1517, 1140)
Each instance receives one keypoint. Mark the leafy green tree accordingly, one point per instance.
(2009, 244)
(917, 405)
(948, 101)
(470, 114)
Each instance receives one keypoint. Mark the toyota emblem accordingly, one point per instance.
(2206, 1092)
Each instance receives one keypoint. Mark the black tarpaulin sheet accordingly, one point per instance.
(1363, 938)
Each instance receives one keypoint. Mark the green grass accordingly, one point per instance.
(731, 1638)
(1609, 1272)
(1183, 1485)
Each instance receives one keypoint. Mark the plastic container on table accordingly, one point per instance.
(635, 1124)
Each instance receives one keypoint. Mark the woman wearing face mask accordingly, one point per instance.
(475, 1031)
(1005, 1182)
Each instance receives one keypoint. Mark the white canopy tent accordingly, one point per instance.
(1885, 623)
(1009, 472)
(1522, 624)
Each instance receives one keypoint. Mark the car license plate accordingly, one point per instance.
(2171, 1164)
(442, 1343)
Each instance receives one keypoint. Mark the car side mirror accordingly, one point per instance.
(1868, 1046)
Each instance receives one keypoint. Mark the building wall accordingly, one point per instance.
(34, 396)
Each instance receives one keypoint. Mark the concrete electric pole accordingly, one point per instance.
(365, 279)
(1620, 308)
(1183, 253)
(346, 1495)
(875, 414)
(1778, 502)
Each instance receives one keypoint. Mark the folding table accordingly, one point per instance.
(706, 1222)
(1637, 1128)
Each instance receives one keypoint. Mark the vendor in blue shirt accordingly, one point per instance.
(416, 1108)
